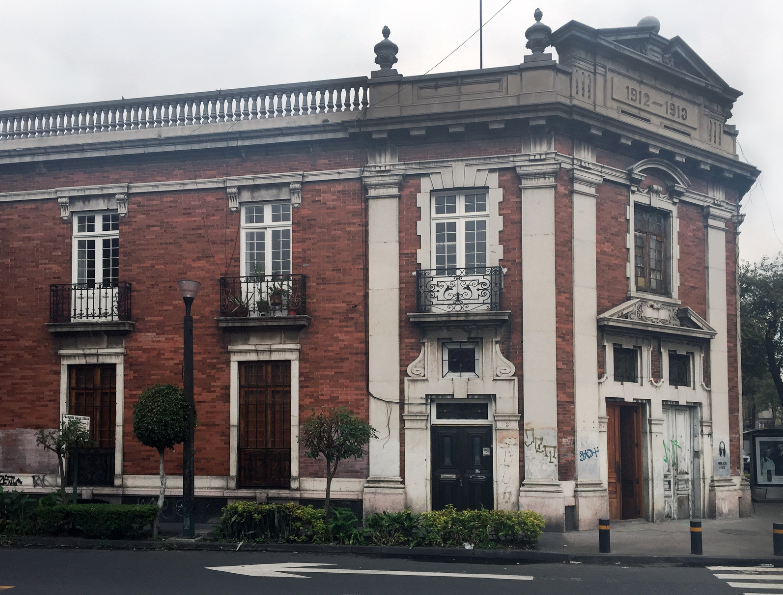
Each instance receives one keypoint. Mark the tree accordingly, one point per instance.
(761, 299)
(70, 435)
(160, 420)
(335, 434)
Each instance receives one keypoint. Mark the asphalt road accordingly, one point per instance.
(104, 572)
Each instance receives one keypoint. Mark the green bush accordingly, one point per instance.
(395, 528)
(280, 523)
(15, 508)
(96, 521)
(481, 528)
(344, 527)
(113, 521)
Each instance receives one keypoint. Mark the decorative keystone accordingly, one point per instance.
(386, 51)
(538, 34)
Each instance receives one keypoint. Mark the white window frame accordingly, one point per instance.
(460, 217)
(98, 235)
(267, 226)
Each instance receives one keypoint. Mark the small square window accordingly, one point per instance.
(460, 360)
(85, 223)
(475, 203)
(254, 214)
(446, 205)
(111, 222)
(281, 212)
(679, 369)
(625, 364)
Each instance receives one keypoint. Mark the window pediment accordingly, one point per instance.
(658, 317)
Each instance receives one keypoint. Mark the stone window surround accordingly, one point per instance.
(459, 175)
(698, 391)
(254, 353)
(116, 356)
(447, 344)
(653, 198)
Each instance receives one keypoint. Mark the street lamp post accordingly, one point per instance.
(188, 290)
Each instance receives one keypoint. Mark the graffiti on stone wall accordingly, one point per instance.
(549, 451)
(588, 453)
(10, 480)
(507, 456)
(39, 481)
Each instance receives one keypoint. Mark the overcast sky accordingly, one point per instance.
(68, 51)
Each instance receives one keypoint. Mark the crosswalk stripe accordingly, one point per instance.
(743, 569)
(759, 577)
(756, 585)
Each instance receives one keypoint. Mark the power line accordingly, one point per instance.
(763, 194)
(472, 35)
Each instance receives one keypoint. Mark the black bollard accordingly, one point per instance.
(696, 538)
(603, 536)
(777, 538)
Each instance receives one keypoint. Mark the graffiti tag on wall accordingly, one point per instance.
(588, 453)
(548, 451)
(10, 480)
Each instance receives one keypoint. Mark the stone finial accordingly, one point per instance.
(386, 51)
(538, 34)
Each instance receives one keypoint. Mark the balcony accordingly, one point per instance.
(263, 301)
(90, 306)
(459, 296)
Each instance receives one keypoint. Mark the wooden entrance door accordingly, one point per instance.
(624, 446)
(265, 424)
(462, 467)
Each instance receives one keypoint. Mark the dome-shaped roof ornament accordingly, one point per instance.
(538, 34)
(650, 22)
(386, 51)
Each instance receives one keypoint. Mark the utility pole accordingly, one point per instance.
(481, 36)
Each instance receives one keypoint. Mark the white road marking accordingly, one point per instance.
(284, 570)
(756, 585)
(759, 577)
(743, 569)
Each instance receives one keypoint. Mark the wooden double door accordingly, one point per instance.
(462, 467)
(624, 446)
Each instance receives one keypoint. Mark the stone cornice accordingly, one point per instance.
(532, 171)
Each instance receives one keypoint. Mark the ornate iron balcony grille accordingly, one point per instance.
(263, 295)
(90, 302)
(459, 290)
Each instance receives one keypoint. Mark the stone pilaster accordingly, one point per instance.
(384, 489)
(540, 490)
(590, 493)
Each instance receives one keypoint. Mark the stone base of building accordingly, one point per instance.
(724, 499)
(547, 499)
(383, 494)
(746, 501)
(592, 503)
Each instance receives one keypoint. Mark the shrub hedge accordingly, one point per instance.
(21, 515)
(292, 523)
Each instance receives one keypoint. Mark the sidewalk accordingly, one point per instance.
(747, 538)
(739, 542)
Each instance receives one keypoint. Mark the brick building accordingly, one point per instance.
(524, 277)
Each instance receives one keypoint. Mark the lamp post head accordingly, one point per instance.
(188, 289)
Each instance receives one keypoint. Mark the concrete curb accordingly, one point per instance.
(419, 553)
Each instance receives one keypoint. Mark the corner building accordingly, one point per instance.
(524, 277)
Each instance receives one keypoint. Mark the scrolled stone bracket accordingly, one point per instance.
(122, 203)
(65, 207)
(232, 193)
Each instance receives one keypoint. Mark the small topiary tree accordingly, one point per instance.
(337, 434)
(160, 420)
(63, 441)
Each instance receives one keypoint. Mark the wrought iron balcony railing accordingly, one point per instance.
(263, 295)
(85, 302)
(459, 290)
